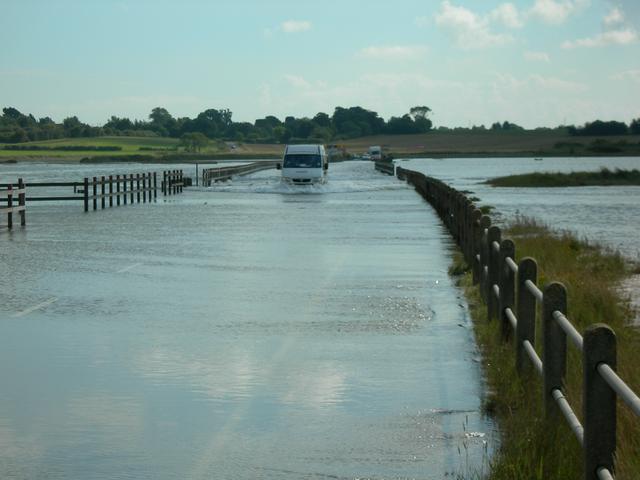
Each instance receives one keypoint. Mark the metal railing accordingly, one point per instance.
(511, 294)
(215, 174)
(10, 193)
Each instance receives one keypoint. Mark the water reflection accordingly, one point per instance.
(238, 331)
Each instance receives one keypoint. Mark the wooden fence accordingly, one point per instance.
(10, 193)
(215, 174)
(385, 166)
(122, 188)
(172, 182)
(511, 294)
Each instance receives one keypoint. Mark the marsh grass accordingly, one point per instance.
(532, 448)
(603, 177)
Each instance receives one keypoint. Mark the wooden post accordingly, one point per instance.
(599, 401)
(22, 197)
(144, 188)
(155, 187)
(494, 267)
(554, 349)
(138, 187)
(102, 191)
(110, 190)
(131, 189)
(86, 194)
(164, 182)
(526, 313)
(118, 190)
(181, 186)
(476, 242)
(9, 206)
(485, 223)
(507, 280)
(95, 193)
(124, 189)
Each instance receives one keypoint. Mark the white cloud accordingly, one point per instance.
(295, 26)
(470, 30)
(297, 81)
(394, 52)
(633, 75)
(557, 84)
(612, 37)
(537, 56)
(508, 15)
(556, 11)
(614, 17)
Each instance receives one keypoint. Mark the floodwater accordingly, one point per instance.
(247, 330)
(606, 215)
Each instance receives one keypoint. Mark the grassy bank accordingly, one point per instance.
(530, 447)
(603, 177)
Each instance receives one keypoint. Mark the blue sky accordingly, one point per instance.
(533, 62)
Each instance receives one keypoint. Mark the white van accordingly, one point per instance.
(375, 153)
(304, 164)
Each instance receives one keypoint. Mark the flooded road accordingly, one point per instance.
(247, 330)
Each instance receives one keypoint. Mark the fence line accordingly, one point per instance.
(505, 286)
(385, 166)
(10, 209)
(172, 182)
(139, 186)
(215, 174)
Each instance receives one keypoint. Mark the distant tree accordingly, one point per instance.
(322, 119)
(601, 128)
(419, 112)
(162, 122)
(634, 126)
(193, 141)
(11, 112)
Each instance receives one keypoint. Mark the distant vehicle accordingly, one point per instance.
(375, 153)
(304, 164)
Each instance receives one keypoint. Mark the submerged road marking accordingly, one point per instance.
(130, 267)
(36, 307)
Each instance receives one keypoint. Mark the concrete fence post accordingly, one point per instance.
(554, 353)
(525, 312)
(507, 280)
(493, 261)
(599, 400)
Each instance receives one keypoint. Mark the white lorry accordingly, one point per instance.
(375, 153)
(304, 164)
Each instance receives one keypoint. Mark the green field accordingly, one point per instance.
(433, 144)
(603, 177)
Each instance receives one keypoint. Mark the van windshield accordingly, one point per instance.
(301, 160)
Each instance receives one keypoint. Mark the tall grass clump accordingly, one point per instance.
(532, 448)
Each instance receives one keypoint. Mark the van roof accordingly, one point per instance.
(309, 149)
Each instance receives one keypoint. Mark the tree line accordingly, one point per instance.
(344, 123)
(217, 124)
